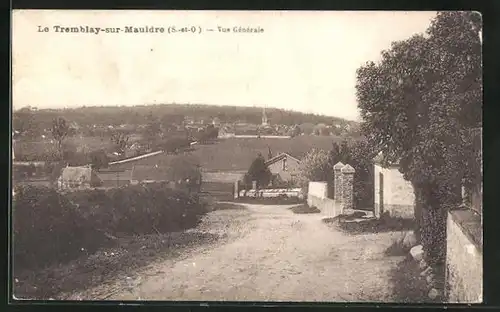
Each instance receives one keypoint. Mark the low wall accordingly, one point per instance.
(318, 189)
(464, 257)
(271, 193)
(329, 208)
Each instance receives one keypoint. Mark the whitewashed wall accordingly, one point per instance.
(398, 195)
(318, 189)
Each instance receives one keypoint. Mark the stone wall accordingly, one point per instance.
(464, 258)
(272, 193)
(337, 175)
(347, 187)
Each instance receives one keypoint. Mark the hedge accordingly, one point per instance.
(51, 227)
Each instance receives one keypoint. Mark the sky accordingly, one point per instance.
(303, 61)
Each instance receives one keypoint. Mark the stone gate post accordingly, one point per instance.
(236, 189)
(337, 180)
(347, 187)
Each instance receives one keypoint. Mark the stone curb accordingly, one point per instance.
(417, 254)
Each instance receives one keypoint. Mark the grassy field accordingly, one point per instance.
(236, 154)
(47, 145)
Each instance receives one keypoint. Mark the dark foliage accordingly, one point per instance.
(51, 227)
(259, 172)
(418, 106)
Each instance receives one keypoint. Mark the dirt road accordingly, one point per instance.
(273, 254)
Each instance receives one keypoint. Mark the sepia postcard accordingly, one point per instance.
(250, 156)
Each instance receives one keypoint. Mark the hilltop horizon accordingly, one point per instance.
(186, 105)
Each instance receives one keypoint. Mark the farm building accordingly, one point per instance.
(78, 177)
(284, 167)
(150, 173)
(115, 178)
(160, 167)
(394, 196)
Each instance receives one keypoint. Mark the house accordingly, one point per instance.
(394, 196)
(284, 167)
(78, 177)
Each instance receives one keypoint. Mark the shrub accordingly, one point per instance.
(52, 227)
(304, 209)
(47, 226)
(140, 209)
(315, 166)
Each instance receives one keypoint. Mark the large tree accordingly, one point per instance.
(23, 121)
(259, 172)
(60, 130)
(419, 103)
(121, 141)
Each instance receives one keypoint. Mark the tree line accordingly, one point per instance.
(34, 122)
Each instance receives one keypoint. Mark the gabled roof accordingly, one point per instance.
(79, 174)
(280, 157)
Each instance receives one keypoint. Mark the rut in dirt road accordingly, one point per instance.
(281, 257)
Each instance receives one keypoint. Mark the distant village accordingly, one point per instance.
(35, 147)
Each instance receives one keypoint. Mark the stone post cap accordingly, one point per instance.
(347, 169)
(338, 166)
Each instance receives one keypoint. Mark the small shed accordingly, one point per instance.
(78, 177)
(394, 196)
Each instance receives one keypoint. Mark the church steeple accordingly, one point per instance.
(264, 117)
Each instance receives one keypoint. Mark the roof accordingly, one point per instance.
(162, 173)
(280, 157)
(85, 174)
(150, 172)
(114, 175)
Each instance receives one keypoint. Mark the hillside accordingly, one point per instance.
(113, 115)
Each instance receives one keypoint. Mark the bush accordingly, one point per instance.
(140, 209)
(315, 166)
(48, 227)
(51, 227)
(304, 209)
